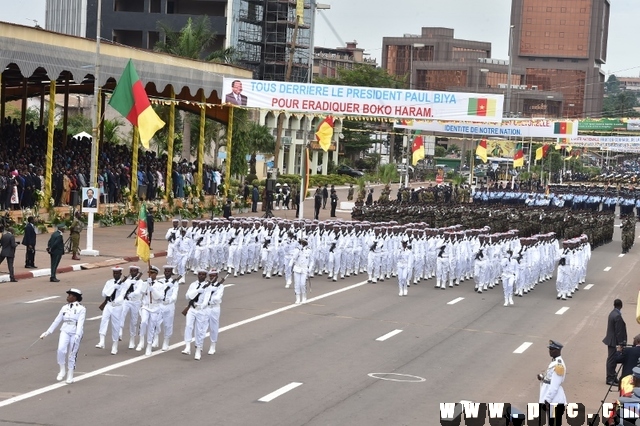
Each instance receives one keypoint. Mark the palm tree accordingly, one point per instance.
(260, 140)
(193, 41)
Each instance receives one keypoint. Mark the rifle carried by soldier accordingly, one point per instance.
(113, 295)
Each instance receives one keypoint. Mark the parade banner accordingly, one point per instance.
(605, 141)
(602, 125)
(520, 129)
(363, 101)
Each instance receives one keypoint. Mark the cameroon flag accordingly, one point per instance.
(482, 107)
(142, 236)
(542, 152)
(481, 150)
(417, 149)
(130, 100)
(324, 133)
(563, 128)
(518, 158)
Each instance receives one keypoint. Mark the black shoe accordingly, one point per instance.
(13, 280)
(54, 280)
(613, 382)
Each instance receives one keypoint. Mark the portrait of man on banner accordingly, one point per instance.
(235, 97)
(89, 200)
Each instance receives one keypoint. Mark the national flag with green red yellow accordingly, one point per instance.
(130, 99)
(482, 107)
(542, 152)
(518, 158)
(563, 128)
(324, 133)
(143, 244)
(417, 149)
(481, 150)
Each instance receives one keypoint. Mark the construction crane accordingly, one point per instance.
(333, 30)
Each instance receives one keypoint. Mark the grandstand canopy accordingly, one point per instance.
(35, 56)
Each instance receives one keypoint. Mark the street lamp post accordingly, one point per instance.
(509, 71)
(480, 72)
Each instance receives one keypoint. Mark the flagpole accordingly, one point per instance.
(303, 172)
(93, 174)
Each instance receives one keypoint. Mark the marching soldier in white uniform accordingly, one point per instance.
(552, 396)
(112, 292)
(168, 303)
(133, 287)
(72, 316)
(151, 310)
(213, 309)
(193, 296)
(302, 266)
(405, 266)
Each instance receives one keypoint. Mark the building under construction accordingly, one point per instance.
(268, 37)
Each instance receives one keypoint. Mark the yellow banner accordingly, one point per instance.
(300, 12)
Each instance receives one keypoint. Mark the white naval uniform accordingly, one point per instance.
(551, 389)
(113, 309)
(72, 316)
(213, 311)
(193, 295)
(302, 265)
(168, 308)
(152, 302)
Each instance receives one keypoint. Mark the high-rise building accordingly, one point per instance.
(134, 22)
(263, 33)
(435, 60)
(561, 45)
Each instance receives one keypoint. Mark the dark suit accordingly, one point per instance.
(55, 247)
(29, 240)
(91, 203)
(231, 99)
(616, 335)
(8, 244)
(150, 226)
(629, 358)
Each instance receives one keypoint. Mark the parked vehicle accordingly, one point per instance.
(343, 169)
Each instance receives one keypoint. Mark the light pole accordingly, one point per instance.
(413, 47)
(510, 69)
(480, 72)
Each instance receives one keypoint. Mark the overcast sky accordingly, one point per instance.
(367, 21)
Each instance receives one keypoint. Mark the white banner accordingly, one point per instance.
(520, 129)
(604, 141)
(363, 101)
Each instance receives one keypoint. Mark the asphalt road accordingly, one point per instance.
(326, 351)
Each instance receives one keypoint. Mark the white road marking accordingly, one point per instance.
(94, 318)
(562, 310)
(78, 267)
(523, 347)
(130, 361)
(43, 299)
(607, 269)
(228, 285)
(397, 377)
(279, 392)
(454, 301)
(621, 255)
(388, 335)
(588, 286)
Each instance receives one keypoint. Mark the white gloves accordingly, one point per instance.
(45, 334)
(76, 339)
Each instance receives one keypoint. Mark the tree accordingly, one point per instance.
(620, 105)
(260, 140)
(161, 138)
(240, 147)
(110, 132)
(193, 41)
(77, 123)
(357, 134)
(612, 86)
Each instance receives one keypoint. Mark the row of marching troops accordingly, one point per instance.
(411, 252)
(566, 224)
(150, 305)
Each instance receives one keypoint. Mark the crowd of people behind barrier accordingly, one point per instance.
(22, 169)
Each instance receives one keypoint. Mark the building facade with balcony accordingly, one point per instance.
(327, 61)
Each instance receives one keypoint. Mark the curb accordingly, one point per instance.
(78, 267)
